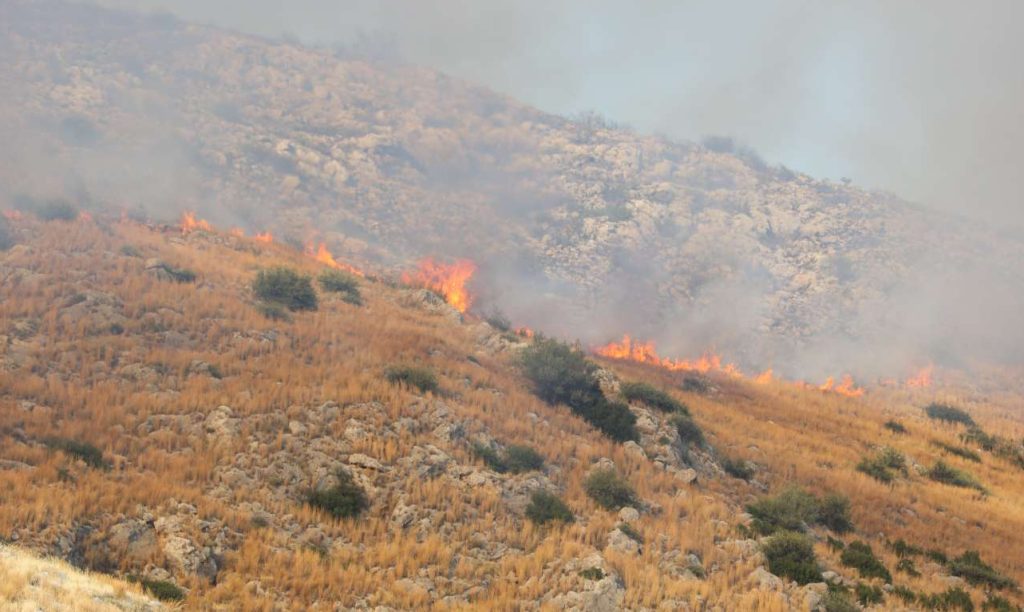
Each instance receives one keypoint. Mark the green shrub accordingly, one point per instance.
(499, 321)
(941, 472)
(130, 251)
(163, 590)
(275, 312)
(54, 210)
(346, 498)
(949, 414)
(791, 510)
(959, 451)
(181, 275)
(339, 281)
(520, 458)
(906, 595)
(835, 544)
(859, 556)
(286, 287)
(696, 384)
(884, 464)
(999, 604)
(869, 595)
(689, 431)
(609, 490)
(546, 507)
(906, 565)
(951, 599)
(421, 378)
(937, 556)
(895, 426)
(901, 549)
(837, 601)
(652, 396)
(560, 374)
(88, 453)
(791, 555)
(976, 435)
(592, 573)
(737, 468)
(971, 568)
(631, 532)
(834, 513)
(491, 457)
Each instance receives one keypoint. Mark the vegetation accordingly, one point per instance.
(696, 384)
(631, 532)
(884, 464)
(907, 566)
(345, 499)
(689, 431)
(954, 598)
(499, 321)
(791, 555)
(976, 435)
(869, 595)
(562, 375)
(859, 556)
(412, 376)
(609, 490)
(339, 281)
(274, 312)
(737, 468)
(948, 414)
(834, 513)
(895, 426)
(905, 594)
(78, 449)
(837, 601)
(946, 474)
(971, 568)
(959, 451)
(592, 573)
(285, 287)
(652, 396)
(163, 589)
(547, 507)
(516, 458)
(795, 510)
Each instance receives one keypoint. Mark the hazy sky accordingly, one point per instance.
(923, 98)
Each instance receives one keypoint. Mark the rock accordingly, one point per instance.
(221, 423)
(765, 579)
(605, 596)
(622, 543)
(628, 515)
(184, 557)
(634, 450)
(364, 461)
(814, 593)
(686, 475)
(402, 516)
(134, 541)
(419, 588)
(832, 577)
(296, 428)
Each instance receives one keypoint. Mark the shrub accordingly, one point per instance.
(130, 251)
(546, 507)
(275, 312)
(181, 275)
(959, 451)
(609, 490)
(901, 549)
(737, 468)
(951, 599)
(499, 321)
(344, 499)
(490, 457)
(999, 604)
(339, 281)
(868, 595)
(895, 426)
(520, 458)
(689, 431)
(792, 510)
(88, 453)
(941, 472)
(53, 210)
(906, 595)
(859, 555)
(652, 396)
(560, 374)
(976, 435)
(696, 384)
(884, 464)
(906, 565)
(592, 573)
(949, 414)
(835, 544)
(834, 513)
(971, 568)
(837, 601)
(631, 532)
(286, 287)
(937, 556)
(791, 555)
(162, 589)
(421, 378)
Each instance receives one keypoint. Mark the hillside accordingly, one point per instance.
(157, 421)
(578, 226)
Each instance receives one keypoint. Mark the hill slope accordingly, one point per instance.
(213, 423)
(616, 232)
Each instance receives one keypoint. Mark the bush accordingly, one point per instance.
(941, 472)
(884, 464)
(949, 414)
(937, 556)
(499, 321)
(490, 457)
(869, 595)
(837, 601)
(608, 490)
(421, 378)
(951, 599)
(652, 396)
(859, 555)
(631, 532)
(88, 453)
(906, 595)
(791, 555)
(737, 468)
(560, 374)
(976, 435)
(181, 275)
(959, 451)
(520, 458)
(129, 250)
(792, 510)
(689, 431)
(971, 568)
(834, 513)
(338, 281)
(546, 507)
(696, 384)
(895, 427)
(275, 312)
(162, 589)
(344, 499)
(999, 604)
(901, 549)
(286, 287)
(592, 573)
(906, 565)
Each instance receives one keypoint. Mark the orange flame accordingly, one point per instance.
(764, 377)
(922, 379)
(447, 279)
(264, 237)
(525, 332)
(237, 232)
(12, 215)
(644, 352)
(189, 223)
(322, 255)
(845, 387)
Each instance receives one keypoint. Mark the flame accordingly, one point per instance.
(525, 332)
(85, 217)
(922, 379)
(845, 387)
(322, 255)
(265, 237)
(764, 377)
(237, 232)
(644, 352)
(12, 215)
(447, 279)
(189, 223)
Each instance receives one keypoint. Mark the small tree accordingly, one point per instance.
(546, 507)
(791, 555)
(949, 414)
(344, 499)
(609, 490)
(652, 396)
(421, 378)
(520, 458)
(339, 281)
(286, 287)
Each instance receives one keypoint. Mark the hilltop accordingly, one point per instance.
(578, 226)
(160, 421)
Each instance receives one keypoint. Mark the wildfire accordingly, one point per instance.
(525, 332)
(322, 255)
(189, 223)
(922, 379)
(644, 352)
(237, 232)
(447, 279)
(845, 387)
(12, 215)
(264, 237)
(764, 377)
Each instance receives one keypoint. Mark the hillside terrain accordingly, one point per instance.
(160, 420)
(696, 246)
